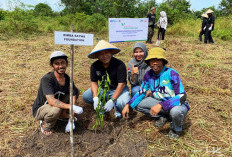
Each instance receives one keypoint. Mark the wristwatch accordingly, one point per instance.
(114, 100)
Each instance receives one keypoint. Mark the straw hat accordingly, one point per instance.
(152, 8)
(156, 52)
(101, 46)
(205, 15)
(209, 11)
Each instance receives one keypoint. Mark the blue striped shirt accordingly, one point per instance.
(165, 87)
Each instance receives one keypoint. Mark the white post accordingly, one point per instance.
(71, 97)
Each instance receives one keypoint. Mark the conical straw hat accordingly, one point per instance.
(209, 11)
(152, 8)
(101, 46)
(204, 15)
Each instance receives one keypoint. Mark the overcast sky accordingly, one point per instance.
(55, 4)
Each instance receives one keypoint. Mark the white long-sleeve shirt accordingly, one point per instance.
(163, 21)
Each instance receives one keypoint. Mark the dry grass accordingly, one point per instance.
(205, 70)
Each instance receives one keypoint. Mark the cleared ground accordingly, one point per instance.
(206, 72)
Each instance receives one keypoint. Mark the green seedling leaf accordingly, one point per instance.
(102, 99)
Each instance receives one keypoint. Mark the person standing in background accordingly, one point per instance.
(203, 26)
(151, 25)
(162, 24)
(209, 26)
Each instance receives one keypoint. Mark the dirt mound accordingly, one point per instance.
(115, 139)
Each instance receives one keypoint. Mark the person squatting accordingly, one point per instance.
(157, 90)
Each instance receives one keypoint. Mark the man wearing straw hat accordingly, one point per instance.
(119, 92)
(52, 102)
(203, 26)
(161, 94)
(151, 25)
(209, 26)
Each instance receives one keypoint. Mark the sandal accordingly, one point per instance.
(44, 131)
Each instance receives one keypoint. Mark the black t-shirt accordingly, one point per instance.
(50, 86)
(151, 18)
(210, 21)
(204, 22)
(116, 70)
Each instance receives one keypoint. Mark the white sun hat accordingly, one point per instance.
(57, 54)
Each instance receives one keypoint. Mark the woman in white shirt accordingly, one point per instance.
(162, 24)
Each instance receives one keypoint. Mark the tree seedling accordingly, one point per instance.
(103, 97)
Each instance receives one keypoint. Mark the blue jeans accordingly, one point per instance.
(134, 90)
(176, 114)
(120, 103)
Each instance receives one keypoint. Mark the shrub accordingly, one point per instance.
(42, 9)
(223, 28)
(19, 22)
(191, 27)
(188, 27)
(93, 23)
(2, 14)
(66, 20)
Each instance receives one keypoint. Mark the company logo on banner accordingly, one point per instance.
(128, 29)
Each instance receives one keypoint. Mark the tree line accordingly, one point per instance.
(92, 15)
(175, 9)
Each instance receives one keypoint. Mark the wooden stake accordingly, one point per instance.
(71, 96)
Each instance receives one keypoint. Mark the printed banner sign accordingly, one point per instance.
(69, 38)
(128, 29)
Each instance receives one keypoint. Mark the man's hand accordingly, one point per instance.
(125, 111)
(109, 105)
(210, 28)
(77, 109)
(155, 109)
(95, 102)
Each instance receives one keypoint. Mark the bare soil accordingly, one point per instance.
(115, 139)
(205, 70)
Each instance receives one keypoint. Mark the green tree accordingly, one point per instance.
(149, 4)
(216, 12)
(42, 9)
(176, 10)
(108, 8)
(94, 23)
(122, 8)
(73, 6)
(18, 22)
(226, 7)
(2, 14)
(197, 14)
